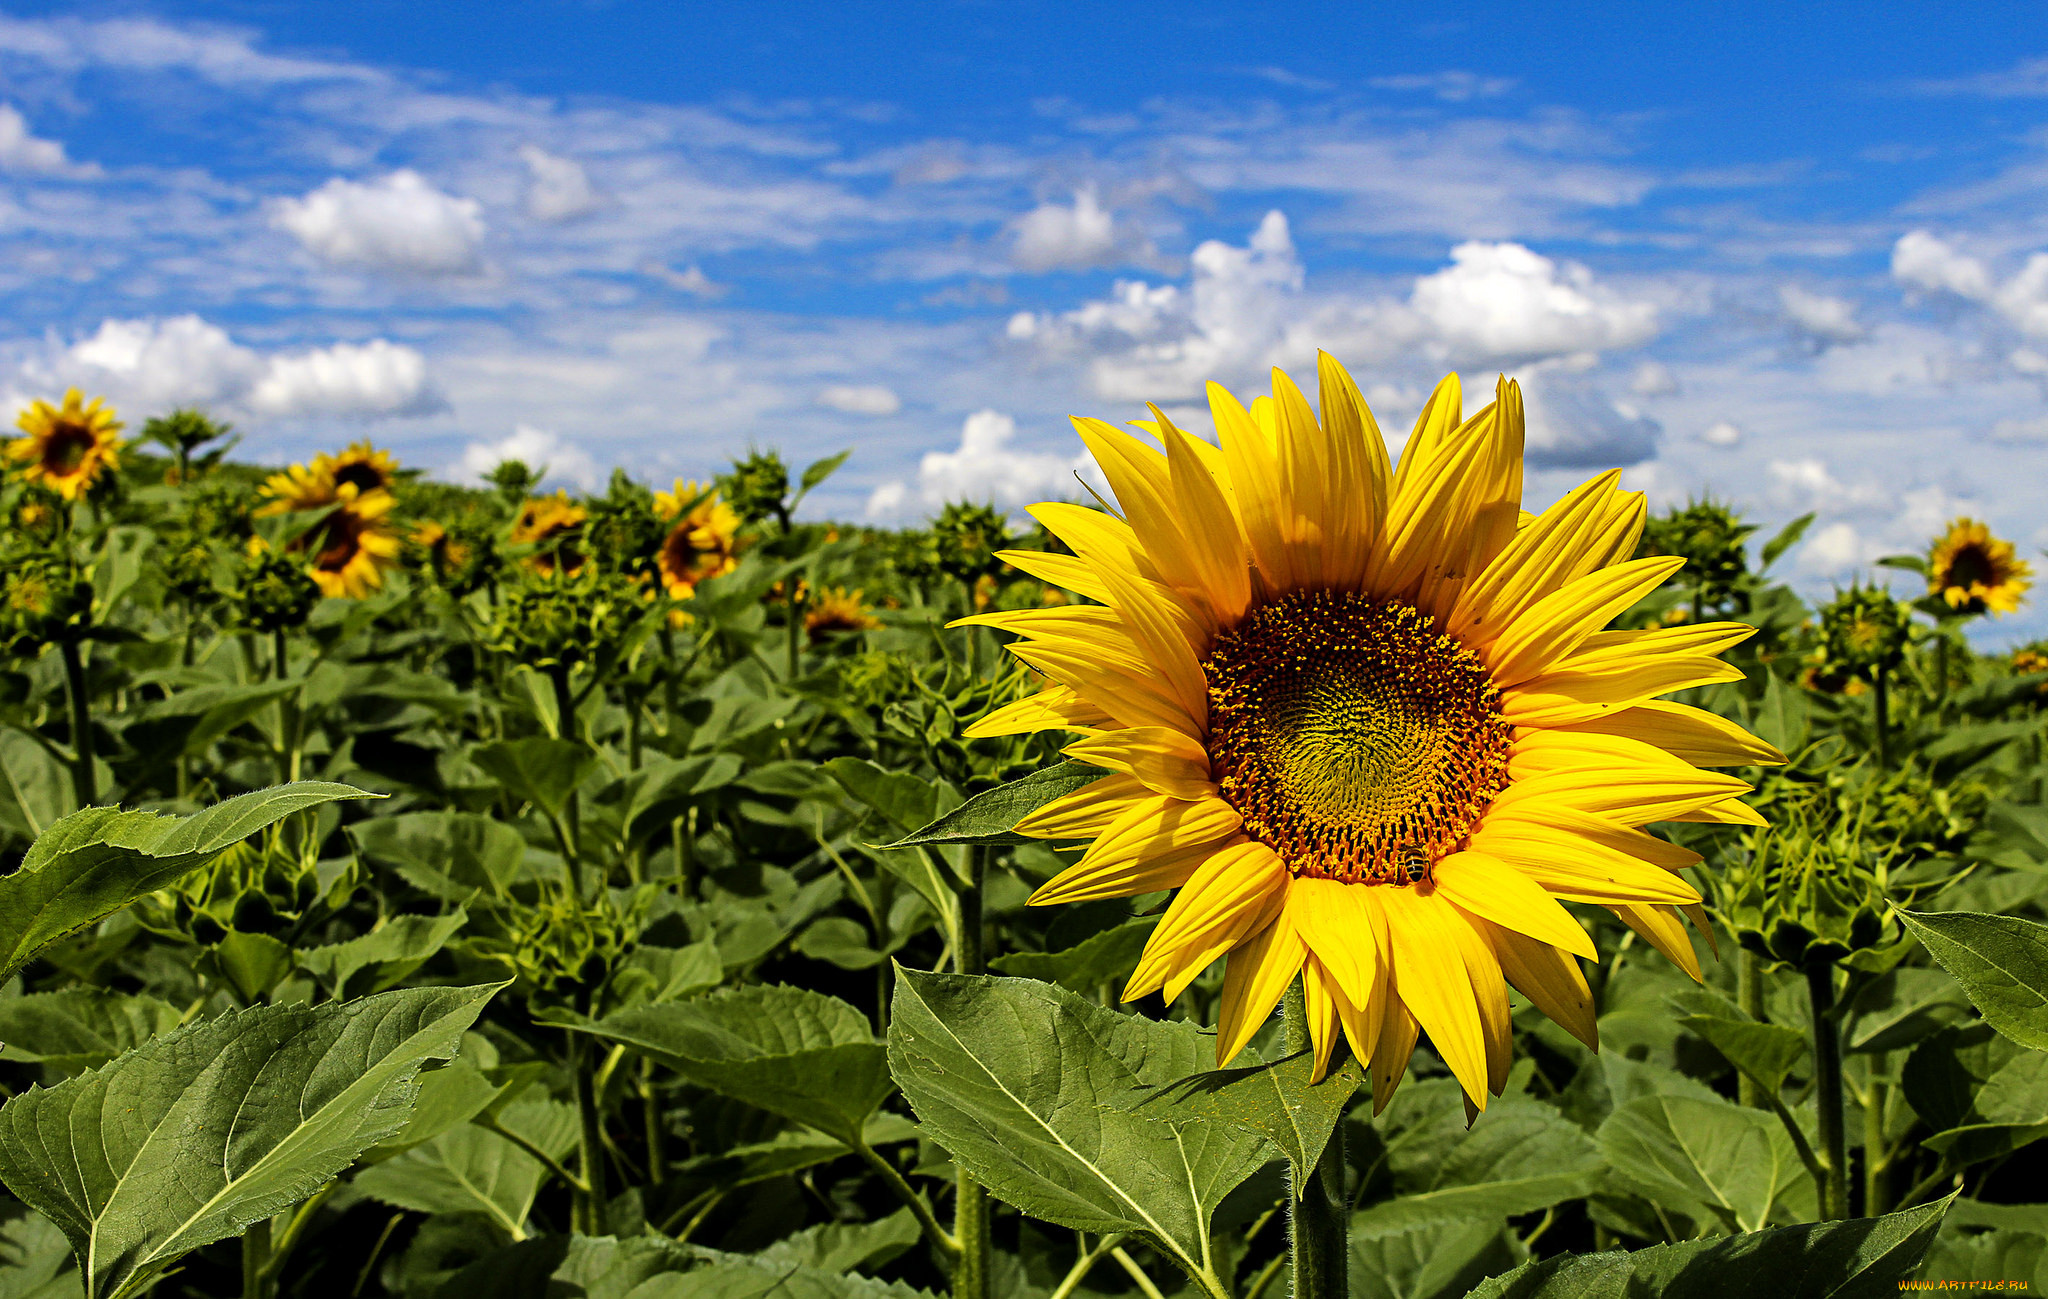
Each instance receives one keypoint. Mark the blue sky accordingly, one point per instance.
(1786, 253)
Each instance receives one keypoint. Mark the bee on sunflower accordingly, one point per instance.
(68, 447)
(1366, 720)
(702, 541)
(1971, 571)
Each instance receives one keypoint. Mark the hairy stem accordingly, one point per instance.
(1750, 972)
(591, 1199)
(970, 1200)
(1316, 1226)
(1874, 1149)
(1827, 1077)
(84, 775)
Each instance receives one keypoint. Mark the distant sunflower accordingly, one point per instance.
(553, 524)
(364, 468)
(1367, 722)
(701, 545)
(67, 448)
(836, 610)
(351, 549)
(301, 487)
(1973, 571)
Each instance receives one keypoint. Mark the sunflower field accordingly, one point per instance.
(1296, 870)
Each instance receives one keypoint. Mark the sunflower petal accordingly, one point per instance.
(1054, 709)
(1086, 812)
(1255, 486)
(1550, 979)
(1258, 971)
(1128, 851)
(1068, 572)
(1487, 886)
(1346, 929)
(1320, 1001)
(1663, 930)
(1431, 978)
(1396, 1044)
(1237, 891)
(1164, 761)
(1555, 626)
(1687, 733)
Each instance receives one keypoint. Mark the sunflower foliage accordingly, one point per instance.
(420, 890)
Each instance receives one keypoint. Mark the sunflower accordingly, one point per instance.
(300, 487)
(553, 524)
(364, 467)
(703, 542)
(1973, 571)
(1366, 720)
(836, 610)
(67, 448)
(352, 547)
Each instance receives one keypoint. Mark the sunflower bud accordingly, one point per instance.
(188, 571)
(564, 621)
(44, 600)
(1865, 630)
(966, 538)
(757, 486)
(1814, 888)
(273, 592)
(1711, 539)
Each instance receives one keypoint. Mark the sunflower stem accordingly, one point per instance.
(971, 1273)
(84, 774)
(1881, 711)
(1315, 1212)
(1750, 974)
(1827, 1077)
(1874, 1143)
(590, 1198)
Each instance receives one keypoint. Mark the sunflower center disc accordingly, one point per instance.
(66, 448)
(1356, 741)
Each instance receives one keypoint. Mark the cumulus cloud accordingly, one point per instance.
(22, 151)
(1721, 434)
(538, 448)
(1051, 237)
(1820, 317)
(395, 223)
(1245, 308)
(860, 399)
(1836, 549)
(1573, 425)
(1453, 87)
(184, 360)
(691, 280)
(1894, 357)
(1652, 379)
(984, 468)
(1924, 262)
(1808, 483)
(558, 188)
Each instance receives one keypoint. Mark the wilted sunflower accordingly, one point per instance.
(836, 610)
(66, 448)
(701, 545)
(551, 523)
(1367, 721)
(1973, 571)
(352, 547)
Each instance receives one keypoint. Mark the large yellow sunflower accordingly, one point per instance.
(363, 467)
(702, 544)
(1973, 571)
(1366, 720)
(66, 448)
(300, 487)
(354, 545)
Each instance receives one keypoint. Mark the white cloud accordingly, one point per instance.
(22, 151)
(1244, 309)
(860, 399)
(2034, 429)
(539, 449)
(1819, 316)
(397, 223)
(1895, 357)
(155, 363)
(1922, 261)
(984, 468)
(1808, 483)
(1453, 87)
(1721, 434)
(558, 189)
(1835, 549)
(1051, 237)
(369, 379)
(1652, 379)
(691, 280)
(1573, 425)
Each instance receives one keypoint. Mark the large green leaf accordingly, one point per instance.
(35, 787)
(1863, 1258)
(1437, 1260)
(191, 719)
(790, 1051)
(2002, 963)
(451, 855)
(193, 1136)
(1766, 1052)
(1043, 1098)
(1519, 1156)
(385, 955)
(537, 770)
(1708, 1159)
(80, 1028)
(1274, 1101)
(99, 859)
(34, 1259)
(988, 816)
(1097, 960)
(2008, 1111)
(470, 1169)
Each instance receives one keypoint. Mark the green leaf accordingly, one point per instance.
(845, 1246)
(34, 1258)
(163, 1151)
(390, 952)
(452, 855)
(1900, 1007)
(2008, 1111)
(2002, 963)
(988, 816)
(1519, 1156)
(536, 770)
(790, 1051)
(906, 800)
(1274, 1101)
(1089, 965)
(35, 788)
(1783, 717)
(99, 859)
(666, 788)
(79, 1028)
(449, 1097)
(470, 1169)
(252, 964)
(1787, 537)
(1037, 1094)
(1437, 1260)
(817, 473)
(1909, 563)
(1863, 1258)
(191, 719)
(1707, 1159)
(670, 973)
(1766, 1052)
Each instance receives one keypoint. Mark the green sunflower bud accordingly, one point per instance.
(965, 539)
(44, 600)
(273, 592)
(1865, 630)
